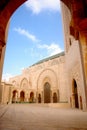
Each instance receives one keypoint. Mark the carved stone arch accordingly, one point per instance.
(24, 83)
(15, 91)
(76, 77)
(31, 100)
(47, 75)
(75, 94)
(30, 81)
(75, 88)
(47, 79)
(14, 83)
(14, 96)
(55, 97)
(7, 8)
(39, 98)
(22, 96)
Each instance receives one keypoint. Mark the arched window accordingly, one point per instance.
(24, 83)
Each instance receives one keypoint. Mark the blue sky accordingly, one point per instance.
(35, 33)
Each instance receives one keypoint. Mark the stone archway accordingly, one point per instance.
(14, 96)
(39, 98)
(75, 102)
(47, 93)
(31, 100)
(54, 97)
(24, 83)
(22, 96)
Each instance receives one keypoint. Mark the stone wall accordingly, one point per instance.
(34, 78)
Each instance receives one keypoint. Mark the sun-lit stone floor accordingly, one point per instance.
(37, 117)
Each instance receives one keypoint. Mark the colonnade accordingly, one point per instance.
(20, 96)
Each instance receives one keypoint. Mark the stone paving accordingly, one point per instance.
(37, 117)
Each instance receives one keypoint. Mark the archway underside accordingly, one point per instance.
(7, 8)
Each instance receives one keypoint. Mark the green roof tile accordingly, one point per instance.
(50, 58)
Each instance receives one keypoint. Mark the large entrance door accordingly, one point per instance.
(47, 93)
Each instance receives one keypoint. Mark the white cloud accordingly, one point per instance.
(49, 50)
(37, 6)
(27, 34)
(5, 77)
(52, 49)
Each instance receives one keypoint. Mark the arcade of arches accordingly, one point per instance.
(68, 85)
(45, 82)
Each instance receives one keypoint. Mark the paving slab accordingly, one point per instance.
(37, 117)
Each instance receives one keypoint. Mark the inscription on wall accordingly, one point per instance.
(44, 65)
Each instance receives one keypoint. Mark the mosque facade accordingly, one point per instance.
(56, 79)
(43, 82)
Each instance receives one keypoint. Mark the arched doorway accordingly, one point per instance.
(54, 97)
(75, 94)
(47, 94)
(14, 96)
(31, 97)
(39, 98)
(22, 96)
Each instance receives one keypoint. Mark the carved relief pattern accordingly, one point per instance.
(44, 65)
(24, 83)
(76, 73)
(84, 50)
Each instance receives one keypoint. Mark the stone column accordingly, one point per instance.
(42, 97)
(2, 94)
(36, 96)
(18, 96)
(57, 95)
(83, 47)
(2, 52)
(11, 95)
(27, 97)
(73, 100)
(51, 96)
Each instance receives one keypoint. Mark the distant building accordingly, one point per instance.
(56, 79)
(43, 82)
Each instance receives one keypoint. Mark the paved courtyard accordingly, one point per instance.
(37, 117)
